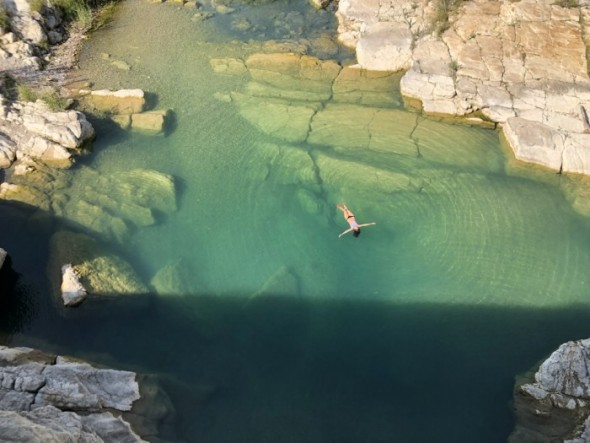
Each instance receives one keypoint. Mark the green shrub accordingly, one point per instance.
(567, 3)
(55, 101)
(104, 15)
(25, 93)
(76, 11)
(37, 5)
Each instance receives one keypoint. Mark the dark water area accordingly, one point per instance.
(284, 369)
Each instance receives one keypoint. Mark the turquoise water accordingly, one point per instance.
(412, 332)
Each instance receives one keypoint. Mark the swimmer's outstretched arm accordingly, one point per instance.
(367, 224)
(345, 232)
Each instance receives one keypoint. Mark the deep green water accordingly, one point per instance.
(413, 332)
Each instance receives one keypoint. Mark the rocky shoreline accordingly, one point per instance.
(44, 397)
(522, 65)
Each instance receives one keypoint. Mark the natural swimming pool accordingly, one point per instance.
(471, 274)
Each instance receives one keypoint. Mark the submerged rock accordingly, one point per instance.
(152, 121)
(283, 283)
(99, 271)
(172, 279)
(276, 118)
(294, 72)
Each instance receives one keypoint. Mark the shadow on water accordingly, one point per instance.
(301, 370)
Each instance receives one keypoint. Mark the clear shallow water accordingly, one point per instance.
(412, 332)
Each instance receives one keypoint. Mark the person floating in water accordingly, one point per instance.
(349, 217)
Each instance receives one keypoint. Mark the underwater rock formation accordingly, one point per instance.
(44, 397)
(99, 270)
(172, 279)
(555, 405)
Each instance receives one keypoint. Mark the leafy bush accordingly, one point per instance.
(25, 93)
(77, 11)
(55, 101)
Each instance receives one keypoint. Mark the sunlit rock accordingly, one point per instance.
(534, 142)
(122, 120)
(99, 270)
(172, 279)
(124, 101)
(69, 129)
(576, 154)
(25, 194)
(555, 405)
(72, 291)
(377, 129)
(359, 86)
(385, 46)
(33, 130)
(152, 121)
(7, 152)
(276, 118)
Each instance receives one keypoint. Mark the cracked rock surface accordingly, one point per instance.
(521, 64)
(555, 403)
(50, 398)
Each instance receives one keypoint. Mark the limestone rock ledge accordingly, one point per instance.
(555, 404)
(32, 130)
(500, 60)
(45, 397)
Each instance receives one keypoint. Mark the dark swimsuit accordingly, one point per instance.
(353, 224)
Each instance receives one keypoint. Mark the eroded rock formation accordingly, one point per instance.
(521, 64)
(45, 397)
(554, 405)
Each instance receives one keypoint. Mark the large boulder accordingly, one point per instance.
(555, 404)
(534, 142)
(33, 130)
(44, 397)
